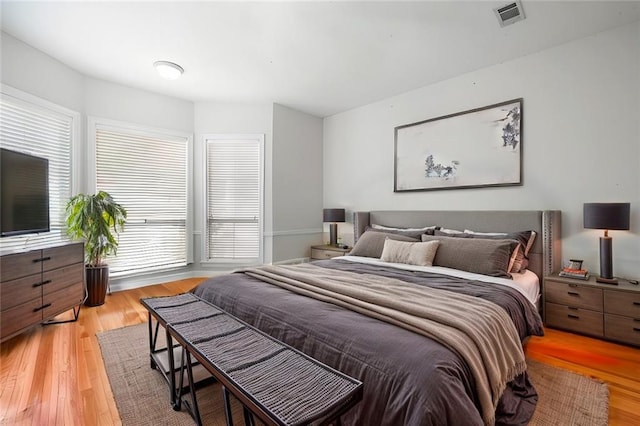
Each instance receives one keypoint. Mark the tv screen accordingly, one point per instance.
(24, 193)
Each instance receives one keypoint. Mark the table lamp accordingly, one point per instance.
(606, 216)
(332, 216)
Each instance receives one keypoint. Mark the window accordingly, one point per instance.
(146, 171)
(234, 198)
(37, 127)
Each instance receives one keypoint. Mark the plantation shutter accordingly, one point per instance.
(43, 132)
(234, 199)
(147, 174)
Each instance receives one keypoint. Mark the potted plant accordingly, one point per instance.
(97, 219)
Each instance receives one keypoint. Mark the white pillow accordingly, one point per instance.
(421, 254)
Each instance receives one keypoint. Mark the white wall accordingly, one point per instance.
(297, 183)
(581, 141)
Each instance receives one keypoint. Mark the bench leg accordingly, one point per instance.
(192, 386)
(248, 417)
(227, 406)
(175, 393)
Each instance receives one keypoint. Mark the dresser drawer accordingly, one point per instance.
(622, 303)
(623, 329)
(325, 254)
(20, 317)
(60, 278)
(16, 292)
(574, 319)
(60, 301)
(13, 266)
(573, 295)
(57, 257)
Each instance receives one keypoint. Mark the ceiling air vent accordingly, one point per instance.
(509, 13)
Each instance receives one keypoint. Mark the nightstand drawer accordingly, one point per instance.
(574, 319)
(623, 329)
(622, 303)
(325, 254)
(573, 295)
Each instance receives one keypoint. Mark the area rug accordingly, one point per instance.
(142, 395)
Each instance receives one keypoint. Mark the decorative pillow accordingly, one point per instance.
(407, 232)
(517, 260)
(371, 243)
(421, 254)
(478, 255)
(526, 238)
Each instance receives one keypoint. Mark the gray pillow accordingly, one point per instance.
(371, 243)
(478, 255)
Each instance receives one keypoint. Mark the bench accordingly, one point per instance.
(168, 310)
(273, 381)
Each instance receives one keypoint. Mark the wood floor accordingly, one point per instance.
(54, 375)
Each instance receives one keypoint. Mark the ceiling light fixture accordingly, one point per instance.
(168, 70)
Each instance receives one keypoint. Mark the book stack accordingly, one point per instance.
(580, 274)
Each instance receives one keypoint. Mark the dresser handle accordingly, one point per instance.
(636, 303)
(573, 316)
(42, 259)
(42, 307)
(572, 308)
(573, 293)
(573, 285)
(636, 329)
(42, 283)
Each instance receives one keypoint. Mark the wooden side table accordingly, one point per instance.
(606, 311)
(324, 252)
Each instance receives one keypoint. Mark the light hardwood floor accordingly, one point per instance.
(54, 375)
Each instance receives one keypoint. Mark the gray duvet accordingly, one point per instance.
(408, 379)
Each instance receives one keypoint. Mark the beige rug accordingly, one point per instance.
(142, 395)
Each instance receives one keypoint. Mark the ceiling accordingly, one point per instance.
(318, 57)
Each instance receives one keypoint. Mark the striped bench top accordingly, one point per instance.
(290, 386)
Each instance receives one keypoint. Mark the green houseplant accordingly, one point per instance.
(97, 219)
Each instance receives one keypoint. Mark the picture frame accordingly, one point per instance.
(477, 148)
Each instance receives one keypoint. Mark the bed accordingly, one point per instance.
(414, 371)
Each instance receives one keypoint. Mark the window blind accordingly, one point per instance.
(147, 174)
(39, 131)
(234, 199)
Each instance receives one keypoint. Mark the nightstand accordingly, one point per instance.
(610, 312)
(327, 252)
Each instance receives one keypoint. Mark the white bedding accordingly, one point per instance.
(526, 283)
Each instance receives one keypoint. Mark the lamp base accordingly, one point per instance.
(612, 281)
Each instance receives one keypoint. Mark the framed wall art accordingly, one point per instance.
(478, 148)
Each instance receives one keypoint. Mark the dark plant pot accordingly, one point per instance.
(97, 282)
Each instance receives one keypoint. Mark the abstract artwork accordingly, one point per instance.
(481, 147)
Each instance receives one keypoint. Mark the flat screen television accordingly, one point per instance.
(24, 193)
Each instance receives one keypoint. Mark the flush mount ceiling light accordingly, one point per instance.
(168, 70)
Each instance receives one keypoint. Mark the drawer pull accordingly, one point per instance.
(42, 283)
(43, 259)
(636, 303)
(573, 293)
(636, 329)
(42, 307)
(572, 308)
(573, 285)
(573, 316)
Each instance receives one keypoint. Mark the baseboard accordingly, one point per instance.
(142, 281)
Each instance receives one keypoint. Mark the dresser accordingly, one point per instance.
(38, 284)
(327, 252)
(611, 312)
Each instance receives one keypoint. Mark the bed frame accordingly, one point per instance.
(545, 256)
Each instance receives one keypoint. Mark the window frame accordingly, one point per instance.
(93, 124)
(28, 100)
(260, 138)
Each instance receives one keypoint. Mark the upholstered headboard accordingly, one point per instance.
(544, 257)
